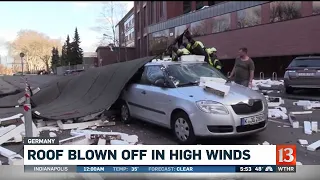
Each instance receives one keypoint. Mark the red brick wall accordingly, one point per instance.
(110, 57)
(294, 37)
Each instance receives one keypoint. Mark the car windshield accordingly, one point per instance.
(305, 63)
(189, 74)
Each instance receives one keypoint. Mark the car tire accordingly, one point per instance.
(125, 116)
(182, 128)
(289, 90)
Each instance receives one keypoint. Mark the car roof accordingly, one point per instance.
(307, 57)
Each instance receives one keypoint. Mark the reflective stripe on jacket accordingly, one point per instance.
(183, 51)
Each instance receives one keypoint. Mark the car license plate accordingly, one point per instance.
(252, 120)
(305, 74)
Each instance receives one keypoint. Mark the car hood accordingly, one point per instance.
(236, 94)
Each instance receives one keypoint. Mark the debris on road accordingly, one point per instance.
(307, 127)
(131, 139)
(301, 112)
(274, 101)
(13, 157)
(314, 146)
(293, 122)
(308, 105)
(265, 83)
(52, 134)
(11, 120)
(277, 113)
(314, 126)
(298, 163)
(303, 141)
(266, 143)
(82, 125)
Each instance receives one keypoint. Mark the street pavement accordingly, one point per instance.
(277, 131)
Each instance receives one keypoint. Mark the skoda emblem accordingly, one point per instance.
(250, 102)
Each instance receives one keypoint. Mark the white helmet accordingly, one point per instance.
(214, 49)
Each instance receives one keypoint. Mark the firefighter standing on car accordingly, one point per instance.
(176, 53)
(213, 59)
(195, 47)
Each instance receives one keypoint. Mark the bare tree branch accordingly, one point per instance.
(112, 12)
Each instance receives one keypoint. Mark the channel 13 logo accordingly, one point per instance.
(286, 155)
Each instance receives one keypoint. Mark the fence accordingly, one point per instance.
(61, 70)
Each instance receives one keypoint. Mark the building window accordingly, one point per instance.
(151, 12)
(221, 23)
(158, 42)
(161, 8)
(284, 10)
(186, 6)
(198, 28)
(199, 5)
(249, 17)
(145, 17)
(138, 22)
(316, 7)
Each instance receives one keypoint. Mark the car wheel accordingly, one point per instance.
(125, 116)
(182, 128)
(289, 90)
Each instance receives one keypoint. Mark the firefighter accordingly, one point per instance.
(195, 47)
(213, 59)
(176, 53)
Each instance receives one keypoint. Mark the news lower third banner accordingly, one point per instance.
(159, 158)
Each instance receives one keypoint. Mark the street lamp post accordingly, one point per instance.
(21, 56)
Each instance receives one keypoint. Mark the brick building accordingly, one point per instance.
(273, 31)
(124, 39)
(125, 28)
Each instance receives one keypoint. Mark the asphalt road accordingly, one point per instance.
(277, 131)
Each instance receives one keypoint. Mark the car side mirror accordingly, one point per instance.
(160, 83)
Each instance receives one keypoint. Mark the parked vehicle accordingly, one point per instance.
(17, 74)
(166, 93)
(41, 72)
(302, 73)
(68, 72)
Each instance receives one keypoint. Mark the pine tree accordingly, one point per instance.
(54, 61)
(57, 59)
(76, 51)
(68, 52)
(63, 58)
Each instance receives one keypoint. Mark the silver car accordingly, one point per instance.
(167, 94)
(302, 73)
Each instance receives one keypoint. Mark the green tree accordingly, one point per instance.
(54, 58)
(67, 56)
(76, 51)
(63, 57)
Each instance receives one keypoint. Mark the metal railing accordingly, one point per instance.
(274, 76)
(261, 75)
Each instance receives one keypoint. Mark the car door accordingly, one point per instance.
(157, 99)
(148, 101)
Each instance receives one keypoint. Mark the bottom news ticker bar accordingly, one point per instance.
(161, 169)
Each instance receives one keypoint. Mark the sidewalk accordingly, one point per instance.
(6, 88)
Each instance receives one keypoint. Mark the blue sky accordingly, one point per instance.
(55, 19)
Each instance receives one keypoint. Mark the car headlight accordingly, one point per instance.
(212, 107)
